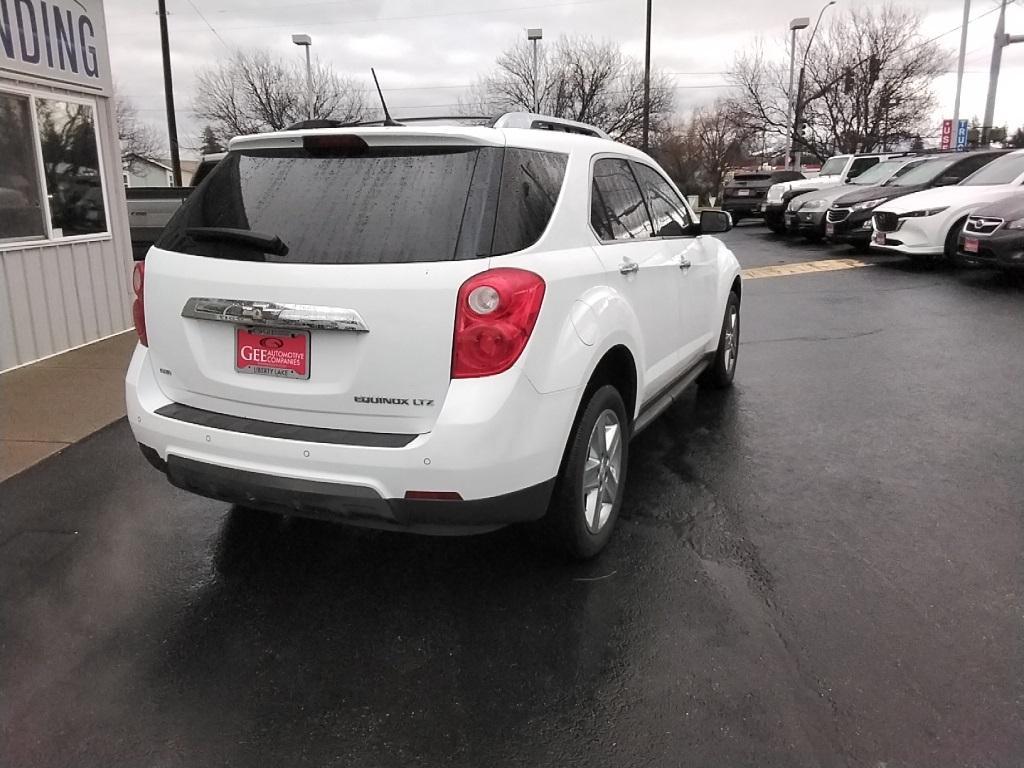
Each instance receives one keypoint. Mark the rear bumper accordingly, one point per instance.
(356, 505)
(497, 443)
(742, 208)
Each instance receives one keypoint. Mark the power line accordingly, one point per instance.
(207, 23)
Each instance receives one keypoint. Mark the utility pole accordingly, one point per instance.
(172, 123)
(960, 63)
(1001, 41)
(647, 82)
(536, 34)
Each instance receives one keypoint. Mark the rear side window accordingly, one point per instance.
(1005, 170)
(617, 209)
(860, 165)
(530, 183)
(377, 205)
(969, 165)
(667, 210)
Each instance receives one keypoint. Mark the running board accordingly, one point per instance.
(669, 395)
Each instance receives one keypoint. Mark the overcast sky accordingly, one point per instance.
(426, 53)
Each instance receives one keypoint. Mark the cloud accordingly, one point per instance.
(422, 51)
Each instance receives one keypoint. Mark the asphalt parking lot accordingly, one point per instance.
(821, 567)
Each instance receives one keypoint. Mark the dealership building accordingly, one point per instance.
(65, 253)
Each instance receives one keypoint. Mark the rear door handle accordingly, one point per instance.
(629, 268)
(685, 263)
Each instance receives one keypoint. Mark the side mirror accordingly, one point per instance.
(713, 222)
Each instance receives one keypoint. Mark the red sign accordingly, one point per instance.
(947, 134)
(272, 353)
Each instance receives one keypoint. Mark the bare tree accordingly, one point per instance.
(868, 83)
(698, 152)
(576, 78)
(255, 91)
(719, 143)
(137, 139)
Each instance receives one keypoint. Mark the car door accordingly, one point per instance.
(695, 259)
(638, 267)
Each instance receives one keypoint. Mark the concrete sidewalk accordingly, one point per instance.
(46, 406)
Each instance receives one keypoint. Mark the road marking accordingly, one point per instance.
(805, 268)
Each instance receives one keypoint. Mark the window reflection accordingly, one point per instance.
(67, 133)
(21, 211)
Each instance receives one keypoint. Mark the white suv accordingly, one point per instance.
(435, 329)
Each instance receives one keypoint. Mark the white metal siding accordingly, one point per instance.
(57, 295)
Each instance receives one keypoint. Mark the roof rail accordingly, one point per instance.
(547, 123)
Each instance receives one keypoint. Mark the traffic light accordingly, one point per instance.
(848, 80)
(874, 67)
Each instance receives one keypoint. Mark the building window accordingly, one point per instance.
(51, 184)
(21, 209)
(71, 166)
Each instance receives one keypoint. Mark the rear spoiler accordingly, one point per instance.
(435, 136)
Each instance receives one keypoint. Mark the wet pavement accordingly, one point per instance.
(821, 567)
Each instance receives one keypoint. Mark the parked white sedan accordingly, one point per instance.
(926, 224)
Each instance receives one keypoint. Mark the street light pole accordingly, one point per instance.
(801, 22)
(172, 123)
(536, 34)
(647, 82)
(960, 63)
(800, 86)
(307, 42)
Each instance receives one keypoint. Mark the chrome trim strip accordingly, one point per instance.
(267, 314)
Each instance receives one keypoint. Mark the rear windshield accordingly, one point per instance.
(371, 206)
(752, 177)
(1005, 170)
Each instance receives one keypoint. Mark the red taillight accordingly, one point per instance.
(494, 318)
(139, 305)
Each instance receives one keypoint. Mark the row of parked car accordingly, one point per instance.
(955, 206)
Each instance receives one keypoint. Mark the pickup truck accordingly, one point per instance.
(150, 208)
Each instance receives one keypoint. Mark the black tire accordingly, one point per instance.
(814, 237)
(722, 371)
(778, 229)
(861, 246)
(566, 521)
(949, 247)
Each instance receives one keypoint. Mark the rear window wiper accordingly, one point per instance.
(263, 242)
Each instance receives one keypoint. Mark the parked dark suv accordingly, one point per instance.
(994, 235)
(849, 218)
(744, 196)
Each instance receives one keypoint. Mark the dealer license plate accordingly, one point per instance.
(270, 352)
(971, 244)
(878, 238)
(830, 229)
(743, 192)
